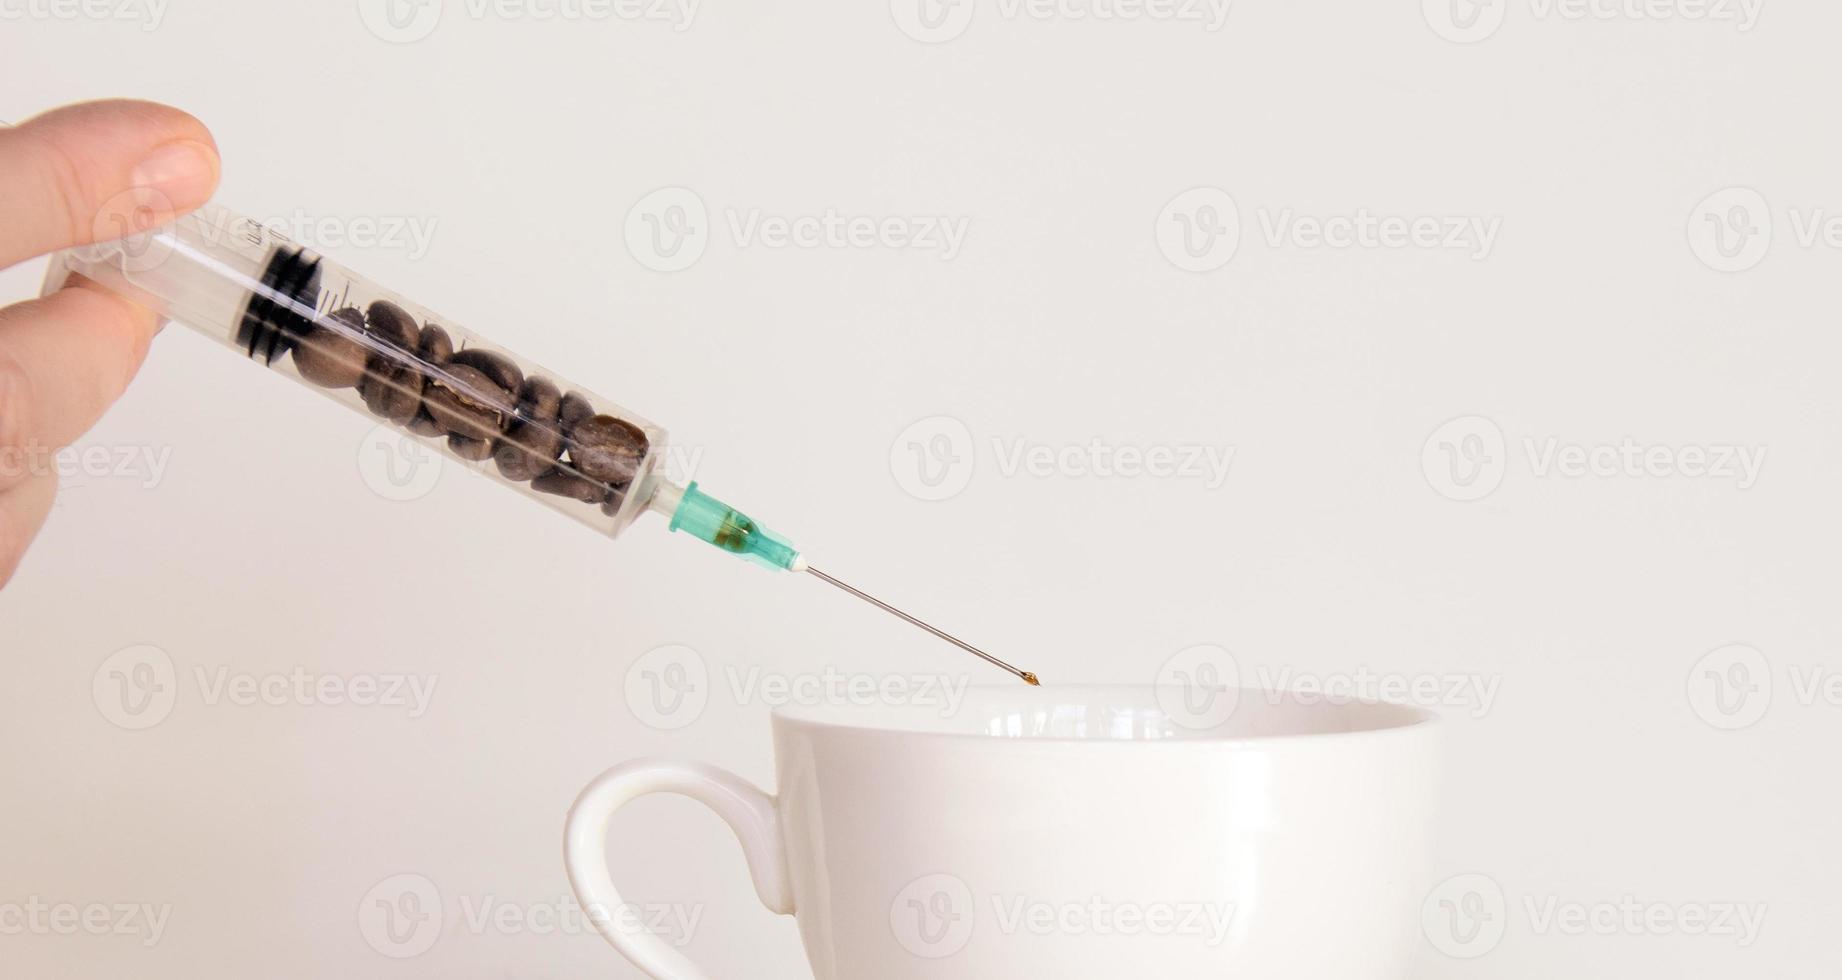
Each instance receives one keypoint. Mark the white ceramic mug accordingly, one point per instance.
(1067, 832)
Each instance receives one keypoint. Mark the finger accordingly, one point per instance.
(22, 513)
(75, 175)
(63, 360)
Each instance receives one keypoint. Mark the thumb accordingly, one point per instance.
(99, 170)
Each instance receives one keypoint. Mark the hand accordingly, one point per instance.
(65, 358)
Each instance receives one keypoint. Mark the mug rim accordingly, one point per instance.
(1414, 720)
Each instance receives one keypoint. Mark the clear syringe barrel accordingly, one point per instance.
(276, 303)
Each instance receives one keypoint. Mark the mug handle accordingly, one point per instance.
(748, 811)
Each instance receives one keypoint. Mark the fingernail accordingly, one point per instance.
(184, 170)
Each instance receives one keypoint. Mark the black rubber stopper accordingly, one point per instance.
(273, 322)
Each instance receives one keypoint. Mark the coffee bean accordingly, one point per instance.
(433, 347)
(393, 391)
(576, 407)
(534, 441)
(539, 401)
(464, 401)
(608, 449)
(566, 484)
(424, 425)
(392, 386)
(392, 324)
(331, 355)
(494, 365)
(471, 450)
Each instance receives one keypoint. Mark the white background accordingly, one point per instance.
(1602, 312)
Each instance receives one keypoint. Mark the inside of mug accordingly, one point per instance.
(1123, 714)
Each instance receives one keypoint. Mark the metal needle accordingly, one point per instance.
(1022, 675)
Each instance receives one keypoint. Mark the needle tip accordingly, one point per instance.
(1030, 679)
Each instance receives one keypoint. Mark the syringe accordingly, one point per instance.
(273, 301)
